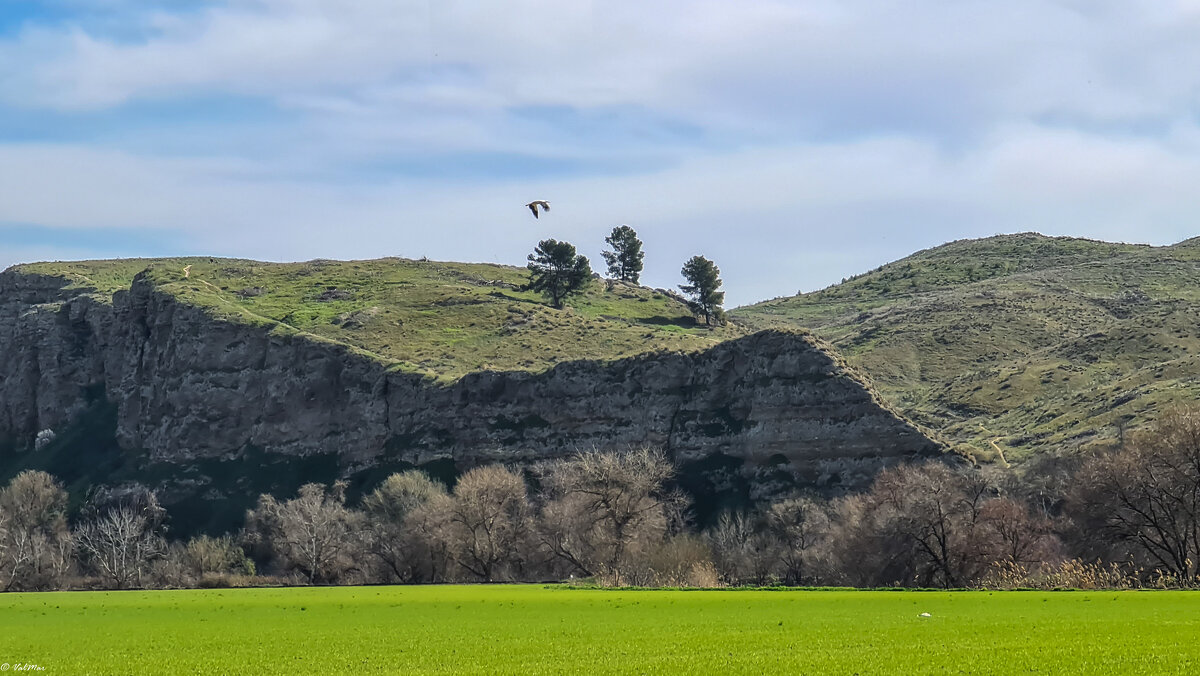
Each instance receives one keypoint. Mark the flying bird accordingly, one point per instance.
(533, 206)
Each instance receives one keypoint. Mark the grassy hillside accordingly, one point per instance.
(1021, 343)
(443, 319)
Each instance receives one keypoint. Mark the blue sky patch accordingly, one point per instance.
(120, 20)
(184, 124)
(105, 242)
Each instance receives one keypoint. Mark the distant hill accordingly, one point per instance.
(1017, 344)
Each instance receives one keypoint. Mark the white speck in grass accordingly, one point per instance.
(926, 615)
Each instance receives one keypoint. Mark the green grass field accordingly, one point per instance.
(532, 630)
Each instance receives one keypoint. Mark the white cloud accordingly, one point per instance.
(766, 71)
(824, 137)
(774, 220)
(1019, 57)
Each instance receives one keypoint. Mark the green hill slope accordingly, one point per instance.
(443, 319)
(1021, 343)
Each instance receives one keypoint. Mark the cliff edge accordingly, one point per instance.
(146, 384)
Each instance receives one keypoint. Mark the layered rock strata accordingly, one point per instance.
(187, 386)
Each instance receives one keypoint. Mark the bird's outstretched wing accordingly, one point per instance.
(536, 204)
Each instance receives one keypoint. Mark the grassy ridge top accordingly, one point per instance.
(443, 319)
(1020, 343)
(948, 266)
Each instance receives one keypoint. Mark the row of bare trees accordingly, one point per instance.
(1142, 504)
(117, 538)
(925, 525)
(594, 515)
(1130, 516)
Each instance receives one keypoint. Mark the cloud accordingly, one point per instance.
(1107, 56)
(775, 220)
(793, 142)
(765, 72)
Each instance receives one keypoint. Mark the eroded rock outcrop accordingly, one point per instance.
(187, 387)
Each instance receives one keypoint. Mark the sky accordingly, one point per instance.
(794, 143)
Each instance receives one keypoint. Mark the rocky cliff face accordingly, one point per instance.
(185, 388)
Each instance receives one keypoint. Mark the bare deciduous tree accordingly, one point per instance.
(603, 507)
(429, 526)
(798, 526)
(1014, 534)
(399, 534)
(35, 543)
(120, 540)
(1147, 495)
(313, 533)
(917, 525)
(486, 523)
(742, 549)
